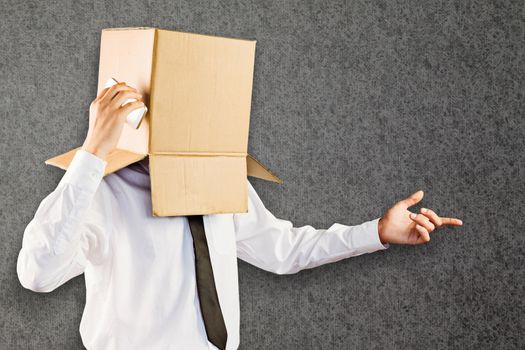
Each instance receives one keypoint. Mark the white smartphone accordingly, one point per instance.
(135, 117)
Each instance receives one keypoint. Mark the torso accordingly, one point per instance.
(144, 296)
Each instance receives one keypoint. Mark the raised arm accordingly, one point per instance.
(71, 226)
(277, 246)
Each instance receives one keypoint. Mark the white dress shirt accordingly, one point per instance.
(139, 269)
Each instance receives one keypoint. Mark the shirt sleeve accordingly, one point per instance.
(70, 227)
(277, 246)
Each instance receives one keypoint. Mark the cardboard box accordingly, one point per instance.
(198, 91)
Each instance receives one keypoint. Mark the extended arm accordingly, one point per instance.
(277, 246)
(70, 226)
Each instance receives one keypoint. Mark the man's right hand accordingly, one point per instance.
(107, 117)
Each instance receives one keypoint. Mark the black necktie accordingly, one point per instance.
(209, 301)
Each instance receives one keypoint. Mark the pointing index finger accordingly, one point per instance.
(452, 221)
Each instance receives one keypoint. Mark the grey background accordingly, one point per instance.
(356, 104)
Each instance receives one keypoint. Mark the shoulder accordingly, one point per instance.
(253, 196)
(255, 204)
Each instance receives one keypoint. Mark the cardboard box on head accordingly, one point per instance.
(198, 91)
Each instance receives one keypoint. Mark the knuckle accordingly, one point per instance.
(117, 87)
(120, 113)
(96, 107)
(125, 93)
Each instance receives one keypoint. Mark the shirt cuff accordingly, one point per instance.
(369, 238)
(85, 171)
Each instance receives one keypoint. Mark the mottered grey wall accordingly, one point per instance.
(356, 104)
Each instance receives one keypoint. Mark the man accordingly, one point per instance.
(140, 271)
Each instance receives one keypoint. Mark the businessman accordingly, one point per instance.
(147, 286)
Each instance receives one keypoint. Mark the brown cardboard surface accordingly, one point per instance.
(198, 89)
(190, 185)
(201, 93)
(256, 169)
(116, 159)
(127, 55)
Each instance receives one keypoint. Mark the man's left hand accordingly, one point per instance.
(400, 226)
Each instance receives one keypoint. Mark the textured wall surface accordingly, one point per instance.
(356, 104)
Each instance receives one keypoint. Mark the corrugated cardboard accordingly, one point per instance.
(198, 90)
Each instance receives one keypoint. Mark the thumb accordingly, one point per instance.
(413, 199)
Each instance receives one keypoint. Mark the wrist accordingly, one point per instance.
(380, 231)
(97, 151)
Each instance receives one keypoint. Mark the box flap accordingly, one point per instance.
(256, 169)
(200, 93)
(116, 159)
(191, 185)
